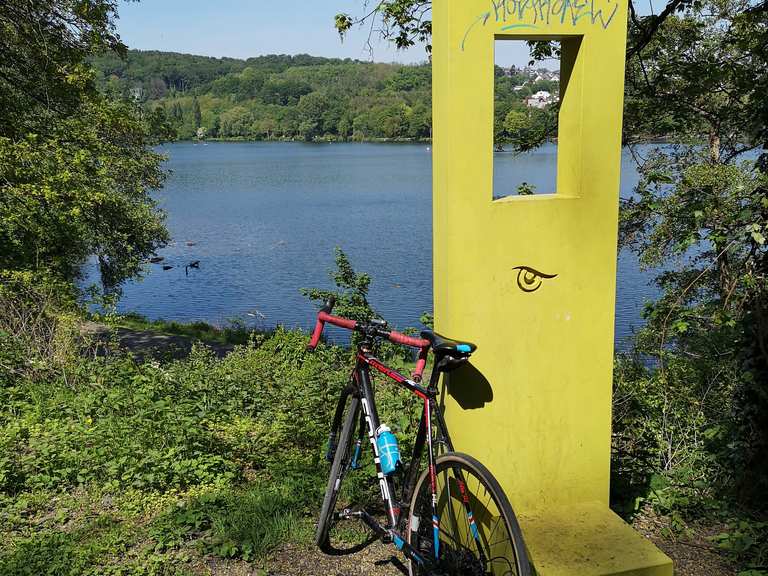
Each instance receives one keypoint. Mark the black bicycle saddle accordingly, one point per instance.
(442, 345)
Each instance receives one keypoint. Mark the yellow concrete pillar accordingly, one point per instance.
(532, 279)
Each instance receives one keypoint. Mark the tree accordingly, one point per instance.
(420, 121)
(701, 213)
(528, 128)
(312, 109)
(236, 122)
(352, 290)
(404, 22)
(284, 91)
(76, 169)
(75, 192)
(390, 120)
(267, 126)
(157, 88)
(43, 47)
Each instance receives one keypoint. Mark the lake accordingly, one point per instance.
(263, 219)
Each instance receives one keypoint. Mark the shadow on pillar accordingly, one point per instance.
(467, 385)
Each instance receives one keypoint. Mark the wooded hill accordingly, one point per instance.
(291, 97)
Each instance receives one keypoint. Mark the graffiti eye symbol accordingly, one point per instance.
(530, 279)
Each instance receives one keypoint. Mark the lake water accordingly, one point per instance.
(263, 220)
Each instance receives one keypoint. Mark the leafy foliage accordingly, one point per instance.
(529, 128)
(82, 189)
(690, 425)
(699, 213)
(43, 45)
(271, 97)
(75, 168)
(169, 426)
(109, 466)
(352, 294)
(404, 22)
(190, 432)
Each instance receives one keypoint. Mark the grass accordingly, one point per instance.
(90, 532)
(118, 466)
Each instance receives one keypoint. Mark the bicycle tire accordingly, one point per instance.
(338, 469)
(459, 461)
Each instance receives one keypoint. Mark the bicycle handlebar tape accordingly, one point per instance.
(337, 321)
(320, 324)
(421, 363)
(329, 304)
(316, 333)
(399, 338)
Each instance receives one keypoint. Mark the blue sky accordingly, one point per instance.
(244, 28)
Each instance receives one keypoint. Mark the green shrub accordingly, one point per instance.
(195, 421)
(671, 431)
(746, 541)
(38, 325)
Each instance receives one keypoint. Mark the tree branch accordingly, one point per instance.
(655, 22)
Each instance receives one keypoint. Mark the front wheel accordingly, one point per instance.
(342, 460)
(475, 532)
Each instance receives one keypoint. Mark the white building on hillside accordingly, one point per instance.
(539, 100)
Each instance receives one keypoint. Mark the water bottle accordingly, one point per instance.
(389, 453)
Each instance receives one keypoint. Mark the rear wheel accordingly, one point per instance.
(467, 495)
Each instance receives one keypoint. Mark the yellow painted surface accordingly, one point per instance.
(536, 407)
(590, 540)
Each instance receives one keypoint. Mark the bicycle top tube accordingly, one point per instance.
(372, 329)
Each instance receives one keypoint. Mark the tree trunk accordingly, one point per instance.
(714, 147)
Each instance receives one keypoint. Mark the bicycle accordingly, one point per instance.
(448, 516)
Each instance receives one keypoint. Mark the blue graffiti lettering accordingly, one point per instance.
(529, 13)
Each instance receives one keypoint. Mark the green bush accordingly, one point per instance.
(195, 421)
(671, 433)
(38, 321)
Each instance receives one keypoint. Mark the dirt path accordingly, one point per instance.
(375, 560)
(693, 555)
(146, 343)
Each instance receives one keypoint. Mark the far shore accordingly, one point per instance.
(333, 140)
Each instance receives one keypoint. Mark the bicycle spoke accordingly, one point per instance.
(491, 549)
